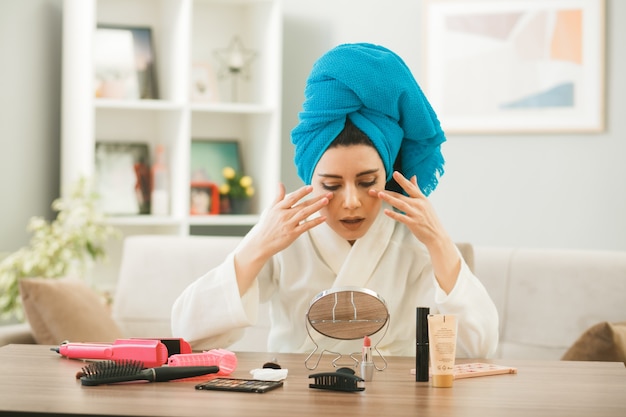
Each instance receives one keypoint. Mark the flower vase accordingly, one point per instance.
(239, 206)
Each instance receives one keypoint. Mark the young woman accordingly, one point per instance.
(366, 129)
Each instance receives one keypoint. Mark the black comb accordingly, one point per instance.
(111, 372)
(341, 380)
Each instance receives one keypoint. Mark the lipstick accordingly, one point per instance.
(367, 364)
(421, 344)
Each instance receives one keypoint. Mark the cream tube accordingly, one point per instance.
(442, 330)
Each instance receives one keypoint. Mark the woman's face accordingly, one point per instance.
(349, 172)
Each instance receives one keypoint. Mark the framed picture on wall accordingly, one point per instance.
(124, 63)
(516, 66)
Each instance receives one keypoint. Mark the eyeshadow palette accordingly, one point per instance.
(474, 369)
(239, 385)
(469, 370)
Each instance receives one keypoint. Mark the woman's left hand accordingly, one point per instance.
(416, 212)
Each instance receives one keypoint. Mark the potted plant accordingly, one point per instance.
(68, 245)
(236, 192)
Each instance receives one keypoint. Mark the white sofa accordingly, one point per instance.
(546, 298)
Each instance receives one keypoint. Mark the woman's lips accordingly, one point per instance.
(352, 223)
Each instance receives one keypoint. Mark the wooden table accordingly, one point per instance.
(35, 380)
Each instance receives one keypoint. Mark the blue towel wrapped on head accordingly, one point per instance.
(374, 88)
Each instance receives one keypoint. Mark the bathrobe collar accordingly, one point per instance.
(353, 264)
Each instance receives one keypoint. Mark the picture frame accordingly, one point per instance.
(204, 198)
(495, 66)
(122, 177)
(204, 86)
(209, 157)
(124, 63)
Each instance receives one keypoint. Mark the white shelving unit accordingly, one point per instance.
(183, 32)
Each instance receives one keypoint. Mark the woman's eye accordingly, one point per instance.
(330, 187)
(368, 184)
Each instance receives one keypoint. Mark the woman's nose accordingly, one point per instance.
(351, 198)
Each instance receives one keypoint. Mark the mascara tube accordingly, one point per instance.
(421, 344)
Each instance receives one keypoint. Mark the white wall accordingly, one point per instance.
(516, 190)
(557, 190)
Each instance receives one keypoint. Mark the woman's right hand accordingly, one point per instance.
(286, 219)
(279, 226)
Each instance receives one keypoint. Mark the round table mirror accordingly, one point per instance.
(347, 313)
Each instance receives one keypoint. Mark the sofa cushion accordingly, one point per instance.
(154, 271)
(467, 252)
(66, 309)
(16, 333)
(602, 342)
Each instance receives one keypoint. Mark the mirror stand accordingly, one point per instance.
(354, 357)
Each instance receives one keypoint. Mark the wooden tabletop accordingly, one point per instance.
(35, 380)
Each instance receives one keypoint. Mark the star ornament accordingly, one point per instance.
(235, 60)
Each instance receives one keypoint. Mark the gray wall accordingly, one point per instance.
(30, 101)
(557, 190)
(500, 190)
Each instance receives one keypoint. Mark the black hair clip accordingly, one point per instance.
(343, 379)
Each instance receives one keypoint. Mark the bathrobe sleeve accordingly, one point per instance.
(210, 313)
(477, 316)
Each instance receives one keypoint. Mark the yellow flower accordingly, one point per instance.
(228, 173)
(245, 181)
(237, 185)
(224, 188)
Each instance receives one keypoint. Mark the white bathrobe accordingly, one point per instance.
(388, 260)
